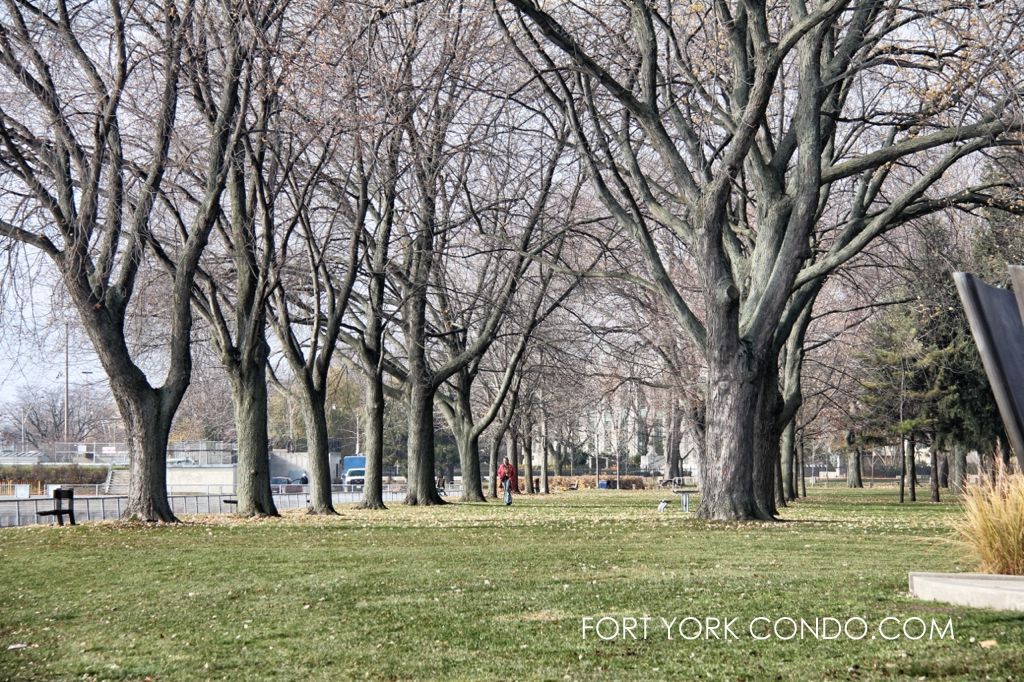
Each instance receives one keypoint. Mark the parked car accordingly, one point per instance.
(355, 477)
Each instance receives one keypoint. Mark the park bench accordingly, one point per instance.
(575, 485)
(59, 510)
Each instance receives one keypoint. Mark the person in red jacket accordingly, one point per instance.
(507, 476)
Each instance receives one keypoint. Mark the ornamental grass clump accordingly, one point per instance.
(993, 523)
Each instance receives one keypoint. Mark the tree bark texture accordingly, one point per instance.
(422, 485)
(373, 409)
(727, 466)
(854, 473)
(147, 425)
(315, 417)
(252, 474)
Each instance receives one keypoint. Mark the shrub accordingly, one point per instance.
(993, 523)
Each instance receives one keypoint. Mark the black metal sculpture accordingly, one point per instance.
(995, 316)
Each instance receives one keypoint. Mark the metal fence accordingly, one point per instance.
(24, 512)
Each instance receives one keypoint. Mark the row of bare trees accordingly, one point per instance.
(460, 200)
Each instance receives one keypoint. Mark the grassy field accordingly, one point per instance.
(488, 592)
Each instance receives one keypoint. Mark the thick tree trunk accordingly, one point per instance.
(320, 501)
(944, 470)
(469, 458)
(147, 412)
(788, 461)
(854, 474)
(373, 411)
(727, 456)
(252, 477)
(559, 450)
(147, 426)
(467, 438)
(767, 437)
(422, 486)
(935, 475)
(528, 461)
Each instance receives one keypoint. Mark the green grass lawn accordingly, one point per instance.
(484, 591)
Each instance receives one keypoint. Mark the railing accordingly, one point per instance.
(24, 512)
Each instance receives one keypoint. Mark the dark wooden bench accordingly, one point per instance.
(59, 510)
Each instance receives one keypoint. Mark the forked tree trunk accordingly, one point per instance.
(854, 477)
(422, 485)
(147, 426)
(373, 408)
(320, 501)
(252, 477)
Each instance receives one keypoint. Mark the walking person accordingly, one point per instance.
(506, 474)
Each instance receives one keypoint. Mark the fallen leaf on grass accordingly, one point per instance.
(988, 643)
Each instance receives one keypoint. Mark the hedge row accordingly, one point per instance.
(70, 473)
